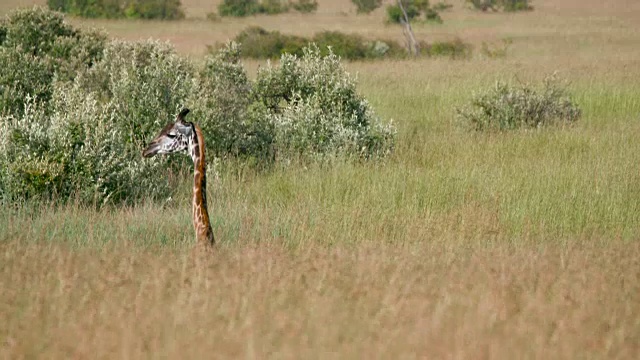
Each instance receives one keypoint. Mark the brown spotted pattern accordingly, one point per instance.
(201, 222)
(186, 136)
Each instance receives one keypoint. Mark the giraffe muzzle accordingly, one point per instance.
(151, 150)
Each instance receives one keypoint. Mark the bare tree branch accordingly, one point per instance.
(412, 44)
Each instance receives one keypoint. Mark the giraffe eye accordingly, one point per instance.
(171, 135)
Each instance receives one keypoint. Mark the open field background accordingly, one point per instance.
(460, 245)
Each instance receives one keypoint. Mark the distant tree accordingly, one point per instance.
(413, 9)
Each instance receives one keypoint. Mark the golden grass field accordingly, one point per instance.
(459, 245)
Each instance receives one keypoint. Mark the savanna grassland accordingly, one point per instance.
(461, 244)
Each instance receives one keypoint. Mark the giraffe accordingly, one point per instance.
(179, 136)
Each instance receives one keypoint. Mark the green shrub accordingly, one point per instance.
(259, 43)
(505, 5)
(238, 8)
(38, 46)
(223, 101)
(414, 8)
(87, 141)
(307, 106)
(22, 75)
(432, 15)
(483, 5)
(305, 6)
(272, 7)
(395, 15)
(316, 111)
(144, 81)
(241, 8)
(516, 5)
(137, 9)
(154, 9)
(508, 106)
(346, 46)
(34, 30)
(89, 8)
(24, 178)
(366, 6)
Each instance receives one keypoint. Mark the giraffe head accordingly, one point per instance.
(173, 138)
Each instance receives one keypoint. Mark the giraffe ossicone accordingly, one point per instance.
(178, 136)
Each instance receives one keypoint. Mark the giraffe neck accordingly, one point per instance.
(201, 223)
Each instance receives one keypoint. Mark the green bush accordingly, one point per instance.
(259, 43)
(34, 30)
(505, 5)
(366, 6)
(516, 5)
(508, 106)
(36, 47)
(238, 8)
(483, 5)
(432, 15)
(346, 46)
(87, 141)
(316, 111)
(306, 106)
(144, 81)
(22, 75)
(154, 9)
(272, 7)
(136, 9)
(414, 8)
(305, 6)
(88, 8)
(241, 8)
(395, 15)
(223, 101)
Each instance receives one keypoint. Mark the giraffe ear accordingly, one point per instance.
(182, 114)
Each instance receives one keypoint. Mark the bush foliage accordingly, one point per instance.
(507, 106)
(37, 46)
(366, 6)
(241, 8)
(305, 6)
(414, 9)
(314, 108)
(224, 102)
(86, 140)
(258, 43)
(504, 5)
(77, 127)
(135, 9)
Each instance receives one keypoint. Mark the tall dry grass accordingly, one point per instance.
(375, 301)
(460, 245)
